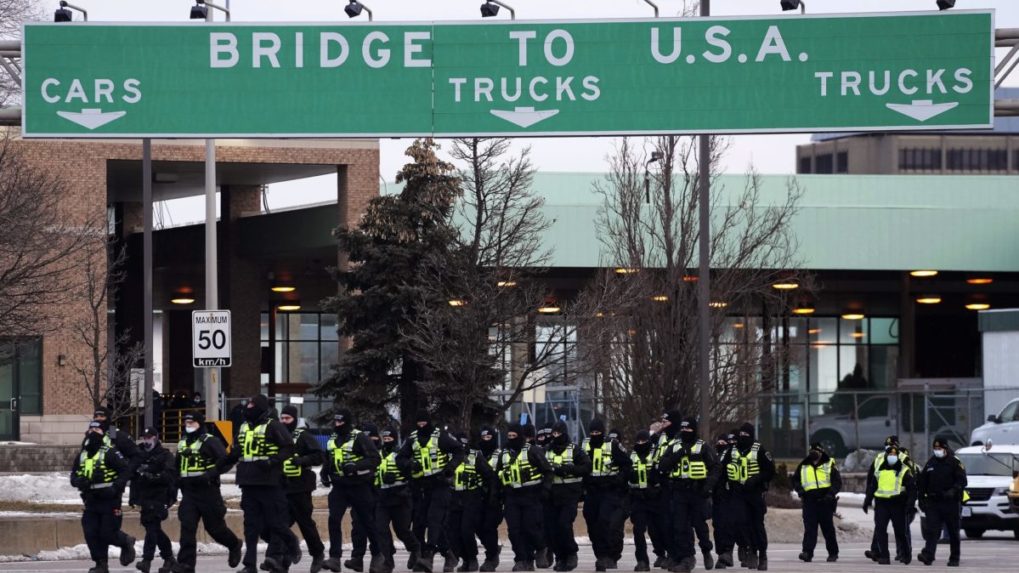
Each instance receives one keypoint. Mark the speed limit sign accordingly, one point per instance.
(210, 338)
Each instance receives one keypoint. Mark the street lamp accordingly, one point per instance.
(354, 8)
(200, 11)
(794, 4)
(491, 8)
(656, 156)
(653, 5)
(63, 13)
(946, 4)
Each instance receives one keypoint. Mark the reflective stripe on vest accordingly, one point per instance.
(812, 478)
(640, 471)
(254, 446)
(601, 459)
(431, 458)
(344, 454)
(562, 459)
(89, 465)
(388, 465)
(466, 477)
(192, 462)
(290, 469)
(517, 472)
(742, 467)
(889, 482)
(691, 466)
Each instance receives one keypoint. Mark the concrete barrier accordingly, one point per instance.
(24, 458)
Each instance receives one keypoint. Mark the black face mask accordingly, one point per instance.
(252, 415)
(744, 442)
(341, 430)
(720, 448)
(93, 442)
(642, 449)
(388, 447)
(560, 440)
(425, 431)
(688, 437)
(487, 446)
(291, 426)
(597, 441)
(515, 443)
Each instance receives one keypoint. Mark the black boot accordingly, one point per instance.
(333, 564)
(426, 562)
(762, 563)
(642, 566)
(378, 564)
(248, 569)
(541, 560)
(470, 565)
(412, 559)
(354, 564)
(709, 561)
(805, 557)
(316, 563)
(169, 564)
(144, 565)
(234, 559)
(571, 562)
(491, 561)
(272, 565)
(449, 562)
(127, 553)
(751, 560)
(100, 567)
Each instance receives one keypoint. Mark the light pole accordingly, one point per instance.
(354, 8)
(199, 11)
(704, 270)
(653, 5)
(794, 4)
(63, 13)
(491, 8)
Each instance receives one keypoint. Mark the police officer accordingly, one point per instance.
(569, 466)
(469, 489)
(488, 531)
(749, 470)
(154, 489)
(522, 470)
(941, 485)
(905, 458)
(101, 473)
(645, 496)
(358, 537)
(393, 508)
(264, 444)
(543, 436)
(604, 490)
(431, 455)
(201, 459)
(892, 491)
(116, 438)
(692, 471)
(663, 432)
(300, 482)
(817, 481)
(351, 462)
(721, 519)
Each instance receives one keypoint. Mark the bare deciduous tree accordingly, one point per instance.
(41, 246)
(487, 337)
(641, 313)
(106, 370)
(12, 14)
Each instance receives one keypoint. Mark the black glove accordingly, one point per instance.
(417, 467)
(389, 478)
(326, 481)
(349, 469)
(866, 504)
(560, 471)
(570, 469)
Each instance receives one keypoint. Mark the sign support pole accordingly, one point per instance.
(704, 271)
(147, 275)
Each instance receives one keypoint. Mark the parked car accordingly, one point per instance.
(1000, 429)
(990, 472)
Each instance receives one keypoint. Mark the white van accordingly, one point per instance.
(1000, 429)
(989, 470)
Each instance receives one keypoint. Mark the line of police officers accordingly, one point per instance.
(440, 494)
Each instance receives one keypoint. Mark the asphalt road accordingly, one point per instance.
(993, 553)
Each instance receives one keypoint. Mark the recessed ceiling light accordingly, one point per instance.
(853, 316)
(980, 280)
(978, 306)
(929, 299)
(924, 273)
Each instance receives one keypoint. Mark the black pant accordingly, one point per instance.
(431, 507)
(488, 532)
(359, 539)
(398, 516)
(523, 520)
(360, 498)
(265, 510)
(464, 522)
(301, 510)
(152, 520)
(603, 512)
(100, 522)
(661, 529)
(750, 507)
(689, 511)
(893, 510)
(942, 514)
(647, 514)
(725, 525)
(559, 518)
(203, 503)
(819, 511)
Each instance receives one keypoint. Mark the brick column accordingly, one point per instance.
(242, 290)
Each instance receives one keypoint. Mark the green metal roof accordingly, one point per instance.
(852, 222)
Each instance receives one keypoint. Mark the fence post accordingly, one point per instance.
(856, 420)
(926, 414)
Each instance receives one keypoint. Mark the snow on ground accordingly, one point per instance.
(80, 552)
(52, 487)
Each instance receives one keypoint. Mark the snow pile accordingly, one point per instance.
(53, 487)
(858, 461)
(80, 552)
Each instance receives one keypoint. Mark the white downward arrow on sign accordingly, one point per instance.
(921, 109)
(524, 116)
(91, 118)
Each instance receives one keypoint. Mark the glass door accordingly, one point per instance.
(9, 426)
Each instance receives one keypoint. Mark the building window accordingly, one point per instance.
(824, 164)
(842, 162)
(21, 374)
(980, 160)
(306, 346)
(804, 165)
(918, 159)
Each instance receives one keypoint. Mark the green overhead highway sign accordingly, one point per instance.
(717, 75)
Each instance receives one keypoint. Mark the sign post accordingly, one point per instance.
(210, 331)
(901, 71)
